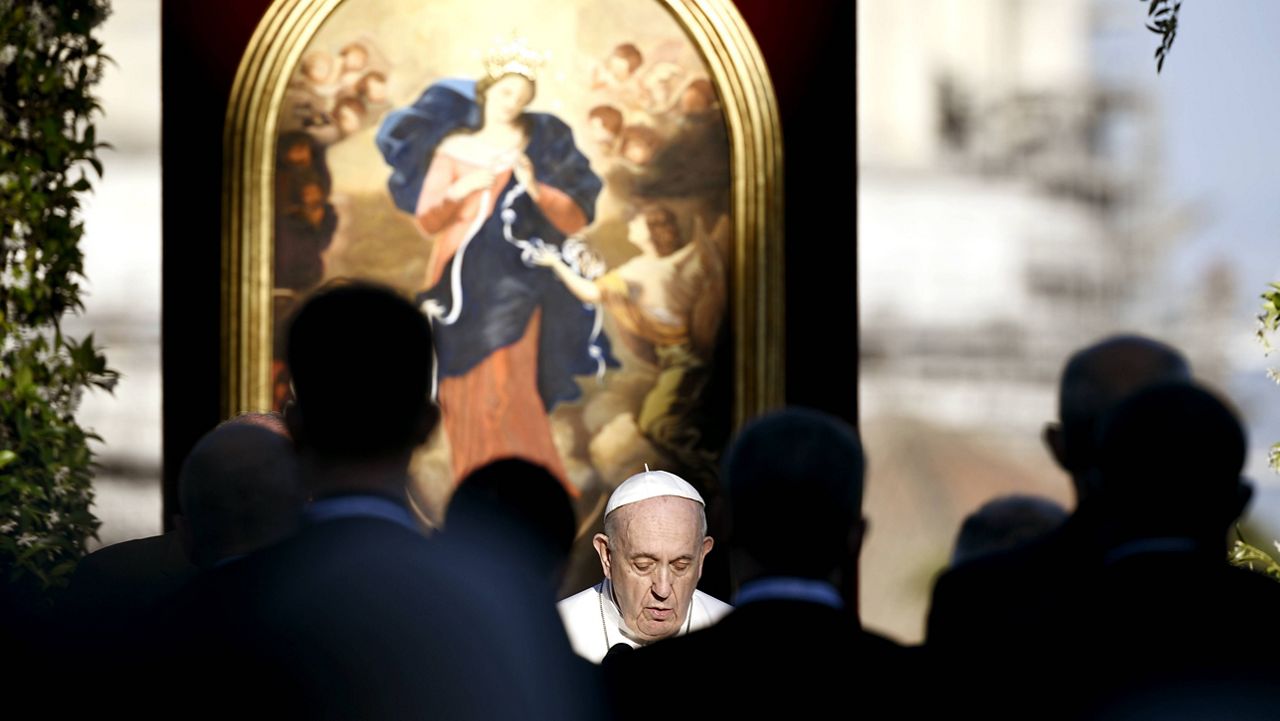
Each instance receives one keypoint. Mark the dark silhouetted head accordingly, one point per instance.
(794, 486)
(361, 361)
(1170, 459)
(1004, 523)
(1095, 379)
(240, 489)
(518, 509)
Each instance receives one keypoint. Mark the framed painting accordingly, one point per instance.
(583, 195)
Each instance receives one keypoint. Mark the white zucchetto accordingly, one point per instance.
(651, 484)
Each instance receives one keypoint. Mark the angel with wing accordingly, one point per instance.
(667, 304)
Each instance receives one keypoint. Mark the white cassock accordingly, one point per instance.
(594, 625)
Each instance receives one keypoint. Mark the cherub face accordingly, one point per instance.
(638, 151)
(601, 135)
(318, 67)
(618, 67)
(375, 90)
(354, 58)
(298, 155)
(347, 119)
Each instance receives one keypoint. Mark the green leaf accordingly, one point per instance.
(63, 569)
(46, 466)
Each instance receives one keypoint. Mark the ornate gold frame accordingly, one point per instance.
(750, 108)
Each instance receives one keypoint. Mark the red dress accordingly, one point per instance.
(493, 411)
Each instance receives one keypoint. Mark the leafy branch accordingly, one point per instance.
(1252, 558)
(1268, 324)
(49, 64)
(1162, 19)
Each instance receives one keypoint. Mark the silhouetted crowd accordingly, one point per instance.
(299, 583)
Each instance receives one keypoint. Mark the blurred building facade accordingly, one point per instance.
(1008, 213)
(122, 278)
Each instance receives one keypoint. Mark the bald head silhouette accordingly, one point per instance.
(239, 488)
(1095, 380)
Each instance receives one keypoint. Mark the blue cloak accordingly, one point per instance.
(500, 292)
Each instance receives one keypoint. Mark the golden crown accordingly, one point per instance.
(514, 57)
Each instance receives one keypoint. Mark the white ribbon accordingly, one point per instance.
(573, 253)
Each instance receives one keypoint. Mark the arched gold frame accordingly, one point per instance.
(738, 71)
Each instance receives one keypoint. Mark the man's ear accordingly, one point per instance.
(707, 543)
(1057, 444)
(294, 422)
(601, 542)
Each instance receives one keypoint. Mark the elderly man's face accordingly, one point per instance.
(654, 561)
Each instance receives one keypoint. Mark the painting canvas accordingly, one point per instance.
(582, 195)
(550, 183)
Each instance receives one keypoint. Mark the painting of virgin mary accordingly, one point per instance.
(491, 174)
(492, 185)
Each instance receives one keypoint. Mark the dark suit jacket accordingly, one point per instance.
(363, 618)
(1063, 618)
(1165, 618)
(994, 630)
(128, 580)
(112, 597)
(995, 599)
(794, 658)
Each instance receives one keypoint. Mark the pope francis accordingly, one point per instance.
(651, 551)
